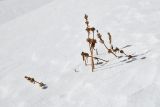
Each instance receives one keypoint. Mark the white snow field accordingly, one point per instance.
(47, 43)
(11, 9)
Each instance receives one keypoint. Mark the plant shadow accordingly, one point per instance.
(122, 61)
(44, 87)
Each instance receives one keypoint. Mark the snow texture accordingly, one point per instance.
(44, 39)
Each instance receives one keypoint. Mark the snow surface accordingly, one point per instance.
(11, 9)
(46, 44)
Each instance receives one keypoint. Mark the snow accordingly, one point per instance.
(11, 9)
(44, 40)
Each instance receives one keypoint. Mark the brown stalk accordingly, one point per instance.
(110, 38)
(91, 41)
(102, 41)
(32, 80)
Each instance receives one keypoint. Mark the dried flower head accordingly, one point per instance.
(100, 37)
(92, 29)
(86, 16)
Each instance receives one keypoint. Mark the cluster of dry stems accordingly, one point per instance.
(92, 43)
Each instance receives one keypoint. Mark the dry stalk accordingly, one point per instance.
(32, 80)
(91, 41)
(117, 49)
(102, 41)
(86, 55)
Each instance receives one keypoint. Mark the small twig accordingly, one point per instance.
(110, 38)
(102, 41)
(32, 80)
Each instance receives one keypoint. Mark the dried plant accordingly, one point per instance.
(109, 50)
(85, 57)
(129, 56)
(91, 40)
(110, 38)
(32, 80)
(117, 49)
(92, 43)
